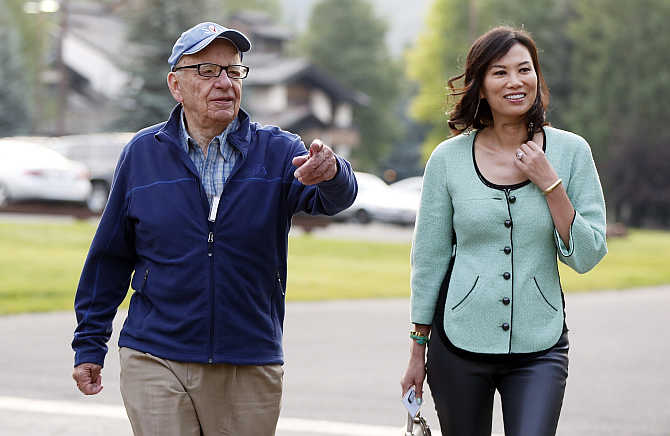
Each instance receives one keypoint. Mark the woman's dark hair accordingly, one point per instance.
(469, 111)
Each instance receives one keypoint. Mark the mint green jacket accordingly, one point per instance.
(505, 295)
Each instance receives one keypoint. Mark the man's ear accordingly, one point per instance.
(174, 86)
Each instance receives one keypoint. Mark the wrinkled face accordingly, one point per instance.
(510, 84)
(211, 102)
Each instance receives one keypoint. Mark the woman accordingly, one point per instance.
(505, 195)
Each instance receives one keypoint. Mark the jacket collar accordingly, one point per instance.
(240, 137)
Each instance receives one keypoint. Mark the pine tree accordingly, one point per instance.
(346, 39)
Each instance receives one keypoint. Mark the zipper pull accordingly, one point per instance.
(283, 291)
(210, 240)
(144, 280)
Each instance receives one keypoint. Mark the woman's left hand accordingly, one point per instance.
(530, 159)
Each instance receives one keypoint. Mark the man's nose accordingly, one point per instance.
(223, 81)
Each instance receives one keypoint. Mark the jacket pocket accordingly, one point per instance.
(539, 290)
(465, 300)
(140, 280)
(140, 305)
(281, 288)
(275, 300)
(144, 280)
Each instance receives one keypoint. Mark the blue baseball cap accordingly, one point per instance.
(201, 35)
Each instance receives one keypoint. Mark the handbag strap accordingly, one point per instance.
(410, 424)
(417, 420)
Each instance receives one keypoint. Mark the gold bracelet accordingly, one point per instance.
(552, 187)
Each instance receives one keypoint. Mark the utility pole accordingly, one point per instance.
(63, 84)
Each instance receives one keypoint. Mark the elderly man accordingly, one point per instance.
(200, 210)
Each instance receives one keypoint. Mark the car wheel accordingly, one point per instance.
(362, 216)
(4, 196)
(97, 199)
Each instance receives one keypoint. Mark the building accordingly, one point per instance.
(293, 93)
(286, 91)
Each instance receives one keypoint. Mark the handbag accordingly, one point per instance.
(417, 426)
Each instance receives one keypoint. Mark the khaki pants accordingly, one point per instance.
(165, 398)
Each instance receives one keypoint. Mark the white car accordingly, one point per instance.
(376, 201)
(410, 184)
(31, 171)
(99, 152)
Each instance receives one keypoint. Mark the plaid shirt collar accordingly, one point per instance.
(187, 141)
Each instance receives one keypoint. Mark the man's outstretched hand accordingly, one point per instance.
(88, 377)
(318, 166)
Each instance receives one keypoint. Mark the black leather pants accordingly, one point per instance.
(531, 390)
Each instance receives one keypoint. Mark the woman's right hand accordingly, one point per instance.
(415, 374)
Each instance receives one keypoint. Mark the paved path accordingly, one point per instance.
(339, 382)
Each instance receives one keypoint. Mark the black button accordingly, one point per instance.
(505, 301)
(506, 275)
(508, 223)
(512, 199)
(507, 250)
(505, 326)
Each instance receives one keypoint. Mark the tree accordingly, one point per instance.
(346, 39)
(441, 50)
(272, 7)
(547, 22)
(619, 103)
(153, 29)
(438, 55)
(604, 63)
(20, 52)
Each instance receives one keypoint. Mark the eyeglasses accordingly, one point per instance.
(215, 70)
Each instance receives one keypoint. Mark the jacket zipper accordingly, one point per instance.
(210, 254)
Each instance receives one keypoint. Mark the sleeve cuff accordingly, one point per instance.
(80, 358)
(566, 251)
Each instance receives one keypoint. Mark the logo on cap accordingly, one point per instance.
(212, 28)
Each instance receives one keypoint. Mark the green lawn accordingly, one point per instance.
(40, 266)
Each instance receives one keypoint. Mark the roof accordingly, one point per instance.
(289, 119)
(268, 69)
(103, 31)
